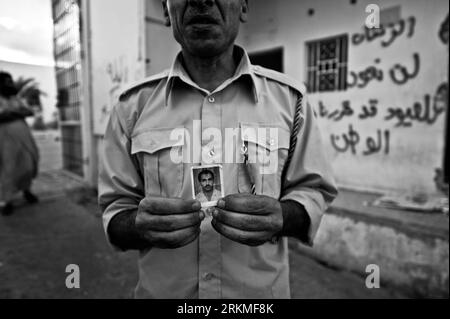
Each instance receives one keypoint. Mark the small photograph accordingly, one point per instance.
(207, 184)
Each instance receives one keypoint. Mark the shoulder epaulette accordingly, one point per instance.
(139, 84)
(280, 78)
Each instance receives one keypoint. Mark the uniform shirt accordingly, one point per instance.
(201, 197)
(139, 148)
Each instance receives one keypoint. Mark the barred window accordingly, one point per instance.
(327, 64)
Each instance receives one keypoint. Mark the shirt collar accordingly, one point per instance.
(245, 68)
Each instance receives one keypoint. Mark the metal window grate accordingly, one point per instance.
(327, 64)
(67, 52)
(72, 148)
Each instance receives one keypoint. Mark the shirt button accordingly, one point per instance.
(208, 276)
(211, 99)
(212, 153)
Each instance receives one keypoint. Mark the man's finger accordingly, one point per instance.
(173, 239)
(166, 223)
(190, 239)
(254, 238)
(170, 206)
(242, 221)
(245, 203)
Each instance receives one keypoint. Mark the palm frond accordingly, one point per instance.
(28, 89)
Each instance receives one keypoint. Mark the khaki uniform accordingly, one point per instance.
(138, 150)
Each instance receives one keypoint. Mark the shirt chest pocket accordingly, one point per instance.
(161, 158)
(264, 150)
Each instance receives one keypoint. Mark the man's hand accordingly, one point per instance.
(248, 219)
(168, 222)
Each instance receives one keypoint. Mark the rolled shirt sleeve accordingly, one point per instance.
(309, 179)
(120, 185)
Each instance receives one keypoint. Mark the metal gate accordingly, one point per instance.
(67, 52)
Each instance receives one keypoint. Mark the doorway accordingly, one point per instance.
(271, 59)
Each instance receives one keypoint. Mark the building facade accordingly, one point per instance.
(378, 82)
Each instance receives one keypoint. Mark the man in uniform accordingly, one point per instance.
(242, 251)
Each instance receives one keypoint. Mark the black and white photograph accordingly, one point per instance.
(207, 184)
(136, 160)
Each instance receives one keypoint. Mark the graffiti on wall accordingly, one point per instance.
(387, 34)
(425, 112)
(418, 113)
(388, 117)
(398, 73)
(117, 73)
(350, 140)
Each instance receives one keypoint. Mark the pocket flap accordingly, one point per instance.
(269, 136)
(154, 140)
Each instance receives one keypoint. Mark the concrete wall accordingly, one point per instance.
(141, 45)
(408, 157)
(161, 47)
(50, 150)
(409, 257)
(415, 261)
(117, 52)
(127, 43)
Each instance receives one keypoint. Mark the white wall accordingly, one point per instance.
(125, 47)
(44, 76)
(117, 52)
(414, 152)
(161, 47)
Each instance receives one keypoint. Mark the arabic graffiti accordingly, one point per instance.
(426, 112)
(353, 136)
(420, 113)
(399, 74)
(369, 112)
(349, 141)
(376, 146)
(117, 73)
(337, 114)
(362, 78)
(393, 31)
(346, 110)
